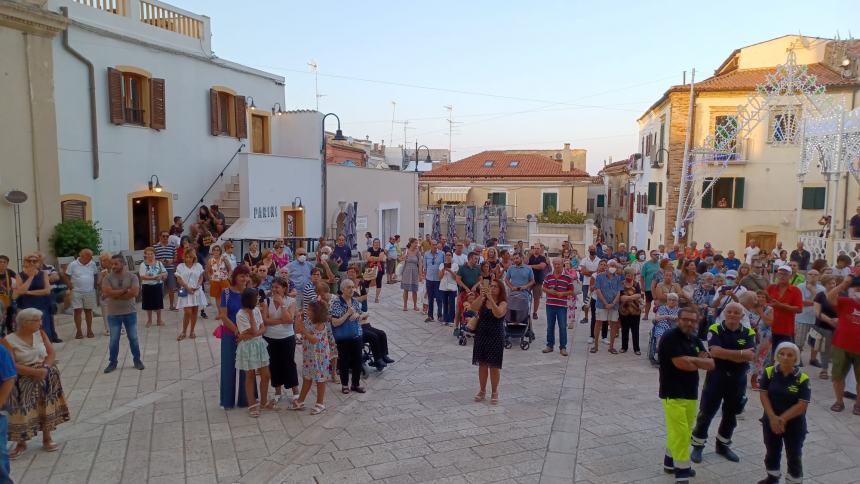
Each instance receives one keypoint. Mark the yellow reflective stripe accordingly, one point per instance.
(715, 328)
(803, 377)
(769, 371)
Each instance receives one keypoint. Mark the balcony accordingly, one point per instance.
(156, 14)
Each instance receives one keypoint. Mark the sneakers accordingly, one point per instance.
(387, 360)
(668, 464)
(605, 341)
(138, 365)
(562, 352)
(111, 367)
(769, 480)
(547, 350)
(696, 453)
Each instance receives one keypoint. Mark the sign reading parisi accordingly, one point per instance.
(270, 211)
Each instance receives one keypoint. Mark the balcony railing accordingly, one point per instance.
(154, 13)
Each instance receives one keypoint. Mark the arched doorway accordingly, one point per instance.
(766, 240)
(148, 214)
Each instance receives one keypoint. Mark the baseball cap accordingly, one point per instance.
(731, 274)
(784, 268)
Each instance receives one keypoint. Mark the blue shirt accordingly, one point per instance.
(610, 288)
(391, 250)
(433, 261)
(300, 272)
(732, 264)
(520, 275)
(342, 255)
(673, 255)
(7, 367)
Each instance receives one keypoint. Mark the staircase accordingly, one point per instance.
(228, 202)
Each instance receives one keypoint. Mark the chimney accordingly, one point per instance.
(567, 147)
(565, 164)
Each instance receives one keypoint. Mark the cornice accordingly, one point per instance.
(31, 19)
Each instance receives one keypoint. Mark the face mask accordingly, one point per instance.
(591, 252)
(730, 282)
(324, 257)
(303, 258)
(612, 270)
(641, 257)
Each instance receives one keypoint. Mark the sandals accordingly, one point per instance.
(297, 405)
(90, 334)
(254, 410)
(79, 336)
(192, 335)
(593, 350)
(613, 351)
(180, 337)
(272, 405)
(50, 446)
(494, 399)
(480, 396)
(318, 409)
(17, 451)
(837, 407)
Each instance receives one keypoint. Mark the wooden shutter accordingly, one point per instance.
(652, 193)
(739, 193)
(157, 119)
(630, 208)
(659, 194)
(73, 210)
(706, 198)
(820, 195)
(213, 112)
(117, 111)
(241, 118)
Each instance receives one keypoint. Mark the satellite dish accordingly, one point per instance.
(15, 197)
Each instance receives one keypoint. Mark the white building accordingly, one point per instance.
(647, 230)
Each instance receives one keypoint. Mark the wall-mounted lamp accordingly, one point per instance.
(155, 187)
(297, 203)
(846, 62)
(278, 111)
(251, 104)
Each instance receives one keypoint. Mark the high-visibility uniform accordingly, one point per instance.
(784, 392)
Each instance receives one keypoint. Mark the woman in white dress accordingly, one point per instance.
(189, 278)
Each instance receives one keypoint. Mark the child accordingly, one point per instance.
(316, 357)
(467, 313)
(251, 354)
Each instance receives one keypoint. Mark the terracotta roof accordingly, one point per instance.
(748, 79)
(529, 167)
(616, 167)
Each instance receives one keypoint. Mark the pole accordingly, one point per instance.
(416, 155)
(835, 172)
(682, 194)
(393, 110)
(450, 130)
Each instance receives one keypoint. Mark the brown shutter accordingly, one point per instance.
(241, 118)
(73, 210)
(213, 112)
(117, 111)
(156, 95)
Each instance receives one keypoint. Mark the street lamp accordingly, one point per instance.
(338, 136)
(428, 159)
(156, 187)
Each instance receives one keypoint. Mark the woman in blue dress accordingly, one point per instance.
(33, 290)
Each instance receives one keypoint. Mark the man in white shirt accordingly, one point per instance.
(174, 238)
(588, 267)
(459, 257)
(774, 254)
(82, 278)
(751, 252)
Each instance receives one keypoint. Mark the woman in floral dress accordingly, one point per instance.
(761, 318)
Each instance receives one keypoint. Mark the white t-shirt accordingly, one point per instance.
(174, 240)
(83, 276)
(461, 259)
(751, 252)
(448, 282)
(738, 291)
(844, 272)
(279, 331)
(590, 266)
(244, 323)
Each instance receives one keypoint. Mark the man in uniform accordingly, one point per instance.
(732, 347)
(681, 356)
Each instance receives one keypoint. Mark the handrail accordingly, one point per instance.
(220, 175)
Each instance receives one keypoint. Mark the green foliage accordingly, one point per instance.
(73, 235)
(552, 216)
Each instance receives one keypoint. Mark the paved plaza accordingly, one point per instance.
(584, 419)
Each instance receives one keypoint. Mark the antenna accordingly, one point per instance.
(393, 110)
(314, 68)
(451, 124)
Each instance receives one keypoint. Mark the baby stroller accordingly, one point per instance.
(518, 323)
(462, 332)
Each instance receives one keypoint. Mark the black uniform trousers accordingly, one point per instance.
(377, 339)
(792, 439)
(723, 388)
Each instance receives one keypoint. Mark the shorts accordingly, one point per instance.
(217, 287)
(537, 290)
(606, 314)
(842, 361)
(84, 300)
(390, 266)
(648, 296)
(171, 279)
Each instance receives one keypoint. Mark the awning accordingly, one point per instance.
(252, 229)
(449, 194)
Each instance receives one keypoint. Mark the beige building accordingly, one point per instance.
(525, 183)
(29, 164)
(576, 157)
(614, 203)
(757, 195)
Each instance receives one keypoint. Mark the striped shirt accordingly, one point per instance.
(559, 283)
(167, 255)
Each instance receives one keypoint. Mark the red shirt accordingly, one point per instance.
(847, 334)
(558, 283)
(783, 321)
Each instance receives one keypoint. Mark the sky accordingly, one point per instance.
(519, 75)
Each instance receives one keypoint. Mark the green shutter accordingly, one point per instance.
(600, 201)
(739, 193)
(660, 194)
(707, 197)
(808, 201)
(652, 193)
(820, 198)
(550, 202)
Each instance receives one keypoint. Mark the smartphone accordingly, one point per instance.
(447, 265)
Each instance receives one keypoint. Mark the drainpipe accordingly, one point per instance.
(94, 129)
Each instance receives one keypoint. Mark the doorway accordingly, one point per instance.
(766, 240)
(293, 222)
(260, 134)
(148, 216)
(389, 226)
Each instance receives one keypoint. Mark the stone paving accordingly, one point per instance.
(584, 419)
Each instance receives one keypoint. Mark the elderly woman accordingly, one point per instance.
(346, 320)
(37, 403)
(702, 296)
(33, 290)
(152, 276)
(785, 393)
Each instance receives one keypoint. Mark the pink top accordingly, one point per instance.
(280, 261)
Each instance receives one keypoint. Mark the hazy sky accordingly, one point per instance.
(519, 75)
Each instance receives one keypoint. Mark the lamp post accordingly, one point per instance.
(428, 159)
(154, 187)
(338, 136)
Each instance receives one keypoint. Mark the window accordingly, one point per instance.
(660, 141)
(136, 98)
(549, 201)
(655, 193)
(609, 197)
(227, 113)
(600, 201)
(498, 198)
(589, 205)
(488, 164)
(784, 125)
(726, 193)
(725, 137)
(515, 163)
(814, 198)
(73, 210)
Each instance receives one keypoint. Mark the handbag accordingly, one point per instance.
(219, 330)
(472, 324)
(183, 292)
(370, 274)
(399, 269)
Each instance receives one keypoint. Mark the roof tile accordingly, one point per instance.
(530, 166)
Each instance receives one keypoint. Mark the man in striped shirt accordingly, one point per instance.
(558, 287)
(166, 253)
